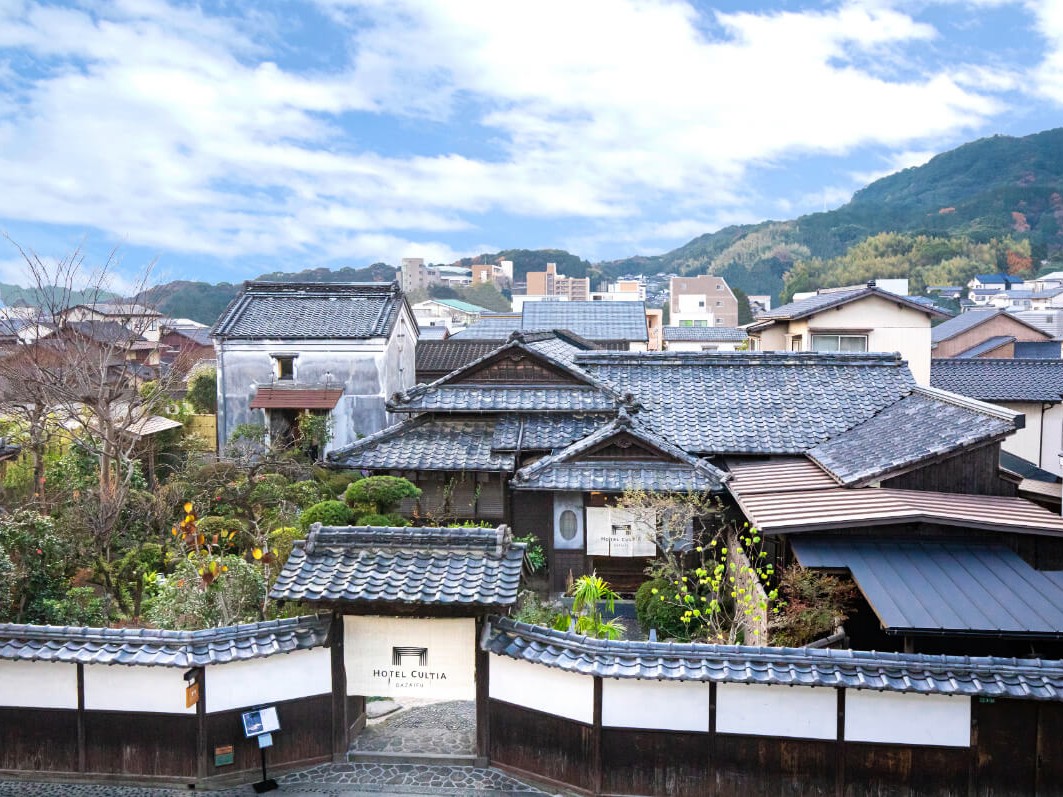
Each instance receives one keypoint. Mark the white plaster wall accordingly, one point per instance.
(899, 718)
(1029, 442)
(286, 676)
(795, 711)
(542, 688)
(38, 684)
(151, 690)
(660, 705)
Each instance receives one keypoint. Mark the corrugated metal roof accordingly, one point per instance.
(155, 648)
(932, 587)
(1023, 679)
(296, 398)
(843, 507)
(424, 566)
(780, 475)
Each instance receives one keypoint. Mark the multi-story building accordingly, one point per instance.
(703, 301)
(499, 274)
(550, 283)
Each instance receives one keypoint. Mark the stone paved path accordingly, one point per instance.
(440, 729)
(408, 779)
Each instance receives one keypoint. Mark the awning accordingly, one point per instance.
(791, 496)
(944, 586)
(285, 398)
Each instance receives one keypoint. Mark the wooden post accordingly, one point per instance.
(202, 767)
(483, 697)
(596, 739)
(340, 726)
(80, 719)
(839, 747)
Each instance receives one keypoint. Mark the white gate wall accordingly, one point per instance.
(801, 712)
(542, 688)
(656, 705)
(38, 684)
(150, 690)
(302, 673)
(900, 718)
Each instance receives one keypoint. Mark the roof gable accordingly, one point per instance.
(972, 319)
(831, 299)
(516, 364)
(312, 310)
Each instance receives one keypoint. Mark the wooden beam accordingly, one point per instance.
(596, 739)
(483, 694)
(202, 760)
(839, 747)
(82, 741)
(340, 726)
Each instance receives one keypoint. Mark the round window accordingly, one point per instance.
(568, 524)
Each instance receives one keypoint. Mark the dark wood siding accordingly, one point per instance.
(124, 743)
(654, 762)
(975, 472)
(38, 739)
(531, 741)
(1006, 732)
(882, 769)
(533, 513)
(760, 765)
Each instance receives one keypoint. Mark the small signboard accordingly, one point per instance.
(260, 721)
(223, 756)
(191, 694)
(265, 740)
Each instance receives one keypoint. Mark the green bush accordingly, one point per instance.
(307, 493)
(373, 519)
(533, 610)
(203, 390)
(43, 562)
(383, 493)
(327, 513)
(652, 612)
(534, 552)
(336, 484)
(283, 539)
(212, 525)
(81, 606)
(185, 602)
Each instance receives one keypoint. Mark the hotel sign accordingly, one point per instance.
(612, 531)
(399, 656)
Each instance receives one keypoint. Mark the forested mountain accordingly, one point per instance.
(985, 193)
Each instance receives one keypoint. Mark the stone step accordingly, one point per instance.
(413, 759)
(393, 777)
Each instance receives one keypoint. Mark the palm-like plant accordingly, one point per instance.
(588, 594)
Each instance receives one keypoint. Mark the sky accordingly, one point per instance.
(217, 141)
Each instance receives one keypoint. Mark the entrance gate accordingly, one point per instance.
(409, 607)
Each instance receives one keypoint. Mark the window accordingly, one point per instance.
(285, 367)
(795, 343)
(686, 322)
(567, 523)
(843, 343)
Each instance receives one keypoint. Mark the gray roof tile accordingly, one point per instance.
(444, 356)
(436, 566)
(156, 648)
(921, 426)
(834, 298)
(952, 327)
(295, 310)
(986, 346)
(563, 470)
(752, 403)
(495, 328)
(512, 398)
(543, 432)
(427, 443)
(706, 334)
(1000, 380)
(1025, 679)
(598, 321)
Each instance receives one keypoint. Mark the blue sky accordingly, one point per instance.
(221, 140)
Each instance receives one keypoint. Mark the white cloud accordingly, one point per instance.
(179, 130)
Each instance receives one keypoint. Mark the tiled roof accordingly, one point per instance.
(752, 403)
(152, 647)
(997, 279)
(106, 332)
(986, 346)
(706, 334)
(1000, 380)
(199, 335)
(963, 322)
(481, 398)
(427, 443)
(558, 345)
(543, 432)
(492, 327)
(124, 309)
(592, 320)
(563, 470)
(425, 566)
(827, 299)
(1025, 679)
(451, 394)
(296, 310)
(1037, 350)
(922, 426)
(444, 356)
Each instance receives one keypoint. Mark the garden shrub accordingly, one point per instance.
(185, 602)
(282, 541)
(81, 606)
(373, 519)
(816, 603)
(383, 493)
(327, 513)
(307, 493)
(652, 612)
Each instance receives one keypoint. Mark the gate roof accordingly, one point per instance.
(463, 570)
